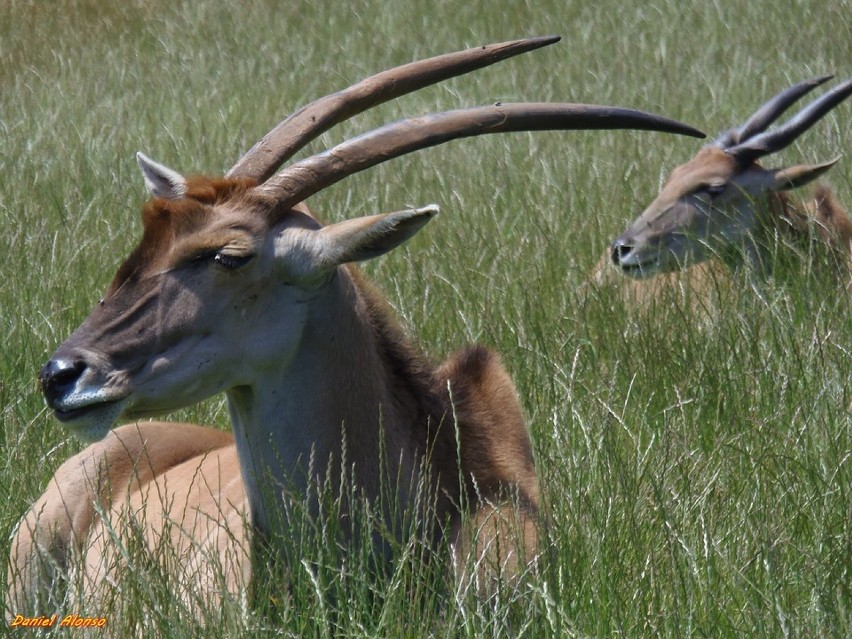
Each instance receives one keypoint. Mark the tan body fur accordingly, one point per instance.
(172, 482)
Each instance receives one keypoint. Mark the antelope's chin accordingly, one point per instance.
(641, 270)
(91, 422)
(649, 262)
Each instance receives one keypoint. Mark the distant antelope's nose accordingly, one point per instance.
(58, 376)
(620, 251)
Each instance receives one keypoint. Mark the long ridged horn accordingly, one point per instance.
(312, 120)
(769, 112)
(306, 177)
(783, 136)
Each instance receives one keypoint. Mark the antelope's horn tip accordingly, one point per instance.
(532, 43)
(430, 210)
(540, 41)
(685, 129)
(550, 39)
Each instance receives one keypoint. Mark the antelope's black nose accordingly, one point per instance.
(58, 376)
(620, 250)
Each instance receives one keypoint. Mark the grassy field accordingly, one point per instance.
(697, 478)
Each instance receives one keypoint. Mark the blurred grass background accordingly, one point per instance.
(697, 477)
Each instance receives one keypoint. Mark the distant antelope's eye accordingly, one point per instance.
(230, 261)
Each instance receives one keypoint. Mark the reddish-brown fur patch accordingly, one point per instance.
(468, 416)
(835, 225)
(820, 217)
(495, 446)
(164, 220)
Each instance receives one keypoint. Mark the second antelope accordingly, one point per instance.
(722, 208)
(235, 287)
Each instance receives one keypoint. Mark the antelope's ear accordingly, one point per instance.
(368, 237)
(160, 180)
(795, 176)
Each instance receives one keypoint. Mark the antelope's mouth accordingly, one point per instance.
(635, 259)
(90, 422)
(640, 270)
(630, 269)
(650, 259)
(74, 414)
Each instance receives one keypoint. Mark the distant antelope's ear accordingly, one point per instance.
(795, 176)
(368, 237)
(160, 180)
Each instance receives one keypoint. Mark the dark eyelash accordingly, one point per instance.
(230, 262)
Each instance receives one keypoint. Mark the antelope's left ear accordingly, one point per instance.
(368, 237)
(795, 176)
(160, 180)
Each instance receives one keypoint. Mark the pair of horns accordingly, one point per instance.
(306, 177)
(751, 140)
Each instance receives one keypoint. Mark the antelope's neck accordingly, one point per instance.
(327, 407)
(770, 215)
(779, 217)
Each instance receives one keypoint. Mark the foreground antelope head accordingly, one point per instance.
(715, 201)
(235, 287)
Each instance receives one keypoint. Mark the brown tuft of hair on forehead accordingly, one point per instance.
(212, 190)
(163, 220)
(201, 193)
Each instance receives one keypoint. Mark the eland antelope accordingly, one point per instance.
(722, 208)
(235, 287)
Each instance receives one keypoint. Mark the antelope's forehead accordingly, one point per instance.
(187, 225)
(710, 166)
(213, 212)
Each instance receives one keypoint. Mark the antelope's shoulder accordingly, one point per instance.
(479, 384)
(495, 444)
(831, 217)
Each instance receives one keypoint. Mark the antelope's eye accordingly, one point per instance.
(230, 261)
(715, 190)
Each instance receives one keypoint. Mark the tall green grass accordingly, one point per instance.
(697, 478)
